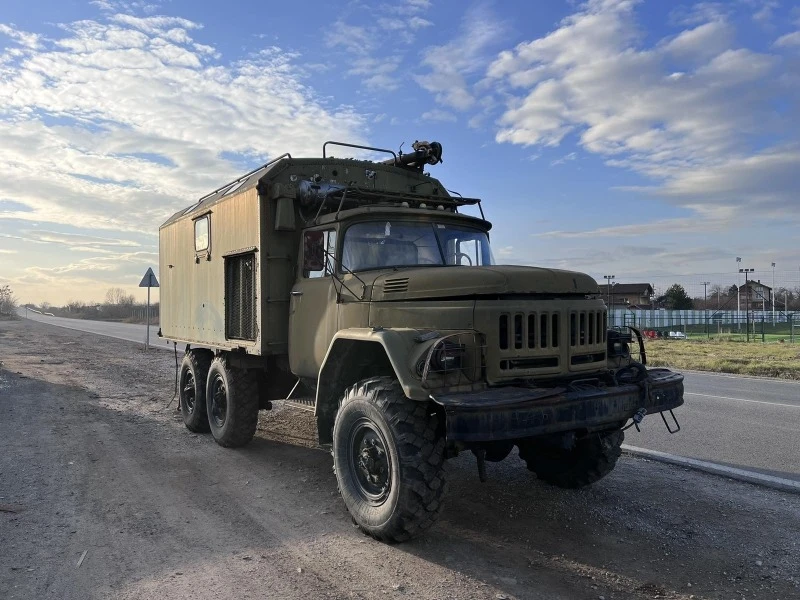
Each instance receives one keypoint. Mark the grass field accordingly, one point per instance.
(726, 356)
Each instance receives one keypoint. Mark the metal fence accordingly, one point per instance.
(752, 325)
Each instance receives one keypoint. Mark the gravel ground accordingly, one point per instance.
(104, 494)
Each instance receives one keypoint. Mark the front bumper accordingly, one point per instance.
(505, 413)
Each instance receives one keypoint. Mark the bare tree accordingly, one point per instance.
(8, 303)
(117, 297)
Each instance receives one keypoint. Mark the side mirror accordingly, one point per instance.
(313, 251)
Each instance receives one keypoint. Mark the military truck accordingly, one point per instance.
(368, 285)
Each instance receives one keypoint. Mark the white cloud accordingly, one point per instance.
(73, 240)
(699, 130)
(564, 159)
(101, 126)
(110, 126)
(438, 116)
(354, 39)
(377, 73)
(450, 65)
(24, 38)
(788, 40)
(418, 23)
(377, 52)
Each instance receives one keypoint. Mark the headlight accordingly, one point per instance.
(454, 359)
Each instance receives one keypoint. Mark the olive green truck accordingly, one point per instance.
(365, 287)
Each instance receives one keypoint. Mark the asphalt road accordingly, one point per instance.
(742, 422)
(122, 331)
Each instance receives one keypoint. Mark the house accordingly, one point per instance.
(630, 295)
(754, 295)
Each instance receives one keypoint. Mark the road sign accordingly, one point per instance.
(149, 280)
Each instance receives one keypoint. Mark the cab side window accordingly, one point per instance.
(319, 250)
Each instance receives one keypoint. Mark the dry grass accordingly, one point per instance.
(768, 360)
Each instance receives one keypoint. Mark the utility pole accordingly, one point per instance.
(609, 279)
(705, 304)
(747, 298)
(738, 296)
(773, 295)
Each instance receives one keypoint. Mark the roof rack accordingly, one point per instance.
(361, 197)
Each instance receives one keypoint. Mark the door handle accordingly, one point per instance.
(297, 293)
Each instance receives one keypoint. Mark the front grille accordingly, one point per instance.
(240, 297)
(587, 328)
(531, 330)
(531, 338)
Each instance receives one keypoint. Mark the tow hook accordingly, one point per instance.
(637, 418)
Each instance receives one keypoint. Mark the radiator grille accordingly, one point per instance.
(531, 330)
(240, 297)
(587, 328)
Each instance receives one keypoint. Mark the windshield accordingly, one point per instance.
(377, 245)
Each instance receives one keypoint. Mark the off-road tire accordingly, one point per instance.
(233, 425)
(415, 450)
(193, 373)
(591, 459)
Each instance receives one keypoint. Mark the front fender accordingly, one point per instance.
(397, 346)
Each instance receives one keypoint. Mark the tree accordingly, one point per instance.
(117, 297)
(732, 291)
(675, 298)
(8, 303)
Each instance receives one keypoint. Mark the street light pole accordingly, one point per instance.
(705, 304)
(773, 295)
(738, 296)
(608, 279)
(747, 299)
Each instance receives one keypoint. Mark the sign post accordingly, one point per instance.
(149, 280)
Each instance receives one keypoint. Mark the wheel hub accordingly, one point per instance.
(188, 391)
(219, 402)
(370, 462)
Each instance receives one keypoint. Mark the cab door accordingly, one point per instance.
(313, 315)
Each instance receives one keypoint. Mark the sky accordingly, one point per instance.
(655, 141)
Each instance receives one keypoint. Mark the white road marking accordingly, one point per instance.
(741, 399)
(710, 467)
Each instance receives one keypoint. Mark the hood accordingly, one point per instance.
(442, 282)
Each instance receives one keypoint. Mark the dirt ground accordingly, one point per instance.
(104, 494)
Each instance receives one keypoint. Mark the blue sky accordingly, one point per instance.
(652, 140)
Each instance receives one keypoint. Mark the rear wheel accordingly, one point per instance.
(589, 460)
(389, 460)
(192, 390)
(231, 403)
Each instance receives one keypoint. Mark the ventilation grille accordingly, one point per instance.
(529, 330)
(240, 297)
(587, 328)
(391, 286)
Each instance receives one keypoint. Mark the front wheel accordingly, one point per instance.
(231, 403)
(389, 457)
(589, 460)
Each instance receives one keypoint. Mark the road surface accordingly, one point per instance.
(106, 495)
(122, 331)
(742, 422)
